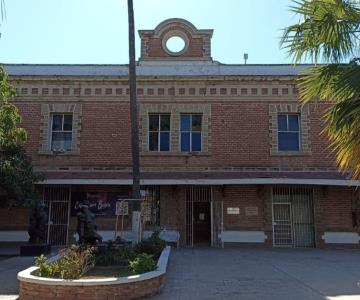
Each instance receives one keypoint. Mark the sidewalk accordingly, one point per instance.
(9, 267)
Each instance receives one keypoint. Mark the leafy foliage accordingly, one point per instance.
(143, 263)
(153, 245)
(74, 263)
(17, 177)
(112, 256)
(328, 30)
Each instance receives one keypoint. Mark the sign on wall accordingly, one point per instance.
(251, 211)
(100, 203)
(233, 210)
(122, 208)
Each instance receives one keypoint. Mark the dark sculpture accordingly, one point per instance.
(38, 224)
(86, 226)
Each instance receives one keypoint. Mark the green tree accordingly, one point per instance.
(17, 177)
(328, 32)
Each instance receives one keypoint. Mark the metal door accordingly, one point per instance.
(293, 217)
(57, 200)
(194, 194)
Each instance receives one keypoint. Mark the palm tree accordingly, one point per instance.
(328, 32)
(134, 126)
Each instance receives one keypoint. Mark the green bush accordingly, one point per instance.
(111, 256)
(154, 245)
(142, 263)
(74, 262)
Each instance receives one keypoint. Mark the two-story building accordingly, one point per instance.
(228, 156)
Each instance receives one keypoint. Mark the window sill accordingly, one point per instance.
(291, 153)
(184, 154)
(67, 153)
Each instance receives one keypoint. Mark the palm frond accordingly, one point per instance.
(328, 29)
(336, 82)
(343, 130)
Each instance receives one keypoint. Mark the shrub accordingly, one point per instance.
(113, 256)
(142, 263)
(153, 245)
(74, 262)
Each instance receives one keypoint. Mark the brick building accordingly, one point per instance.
(228, 157)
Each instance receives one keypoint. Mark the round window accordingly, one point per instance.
(175, 44)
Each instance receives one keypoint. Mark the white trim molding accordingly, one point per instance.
(231, 236)
(14, 236)
(245, 181)
(341, 237)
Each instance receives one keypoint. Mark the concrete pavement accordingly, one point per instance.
(9, 267)
(250, 274)
(267, 274)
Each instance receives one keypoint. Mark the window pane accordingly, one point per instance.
(196, 141)
(185, 142)
(67, 140)
(185, 123)
(196, 122)
(164, 141)
(282, 126)
(153, 141)
(293, 122)
(57, 122)
(61, 141)
(153, 122)
(67, 122)
(165, 122)
(288, 141)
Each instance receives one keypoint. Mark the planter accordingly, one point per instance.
(131, 287)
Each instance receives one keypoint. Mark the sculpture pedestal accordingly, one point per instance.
(35, 249)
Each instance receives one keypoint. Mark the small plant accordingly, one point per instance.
(154, 245)
(142, 263)
(113, 256)
(74, 263)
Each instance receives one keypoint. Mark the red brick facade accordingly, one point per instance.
(239, 160)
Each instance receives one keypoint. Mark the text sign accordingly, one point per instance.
(251, 211)
(122, 208)
(233, 210)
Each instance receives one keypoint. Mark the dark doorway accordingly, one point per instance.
(202, 223)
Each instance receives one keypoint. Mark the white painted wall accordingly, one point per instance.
(341, 237)
(230, 236)
(14, 236)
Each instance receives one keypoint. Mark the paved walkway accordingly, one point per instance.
(9, 267)
(271, 274)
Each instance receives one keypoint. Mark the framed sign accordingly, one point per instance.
(251, 211)
(122, 208)
(233, 210)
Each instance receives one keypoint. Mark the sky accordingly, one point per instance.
(95, 32)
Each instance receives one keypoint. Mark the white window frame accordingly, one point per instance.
(191, 131)
(159, 131)
(62, 126)
(289, 131)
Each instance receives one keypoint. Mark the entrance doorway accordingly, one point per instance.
(198, 217)
(293, 217)
(202, 224)
(57, 200)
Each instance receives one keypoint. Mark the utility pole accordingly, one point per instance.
(136, 208)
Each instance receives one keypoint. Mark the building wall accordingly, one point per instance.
(238, 128)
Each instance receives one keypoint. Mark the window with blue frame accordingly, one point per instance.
(159, 132)
(190, 132)
(289, 132)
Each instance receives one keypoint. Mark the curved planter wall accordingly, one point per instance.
(131, 287)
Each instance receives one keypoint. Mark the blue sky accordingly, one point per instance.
(95, 32)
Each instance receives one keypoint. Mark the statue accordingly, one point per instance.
(38, 224)
(86, 226)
